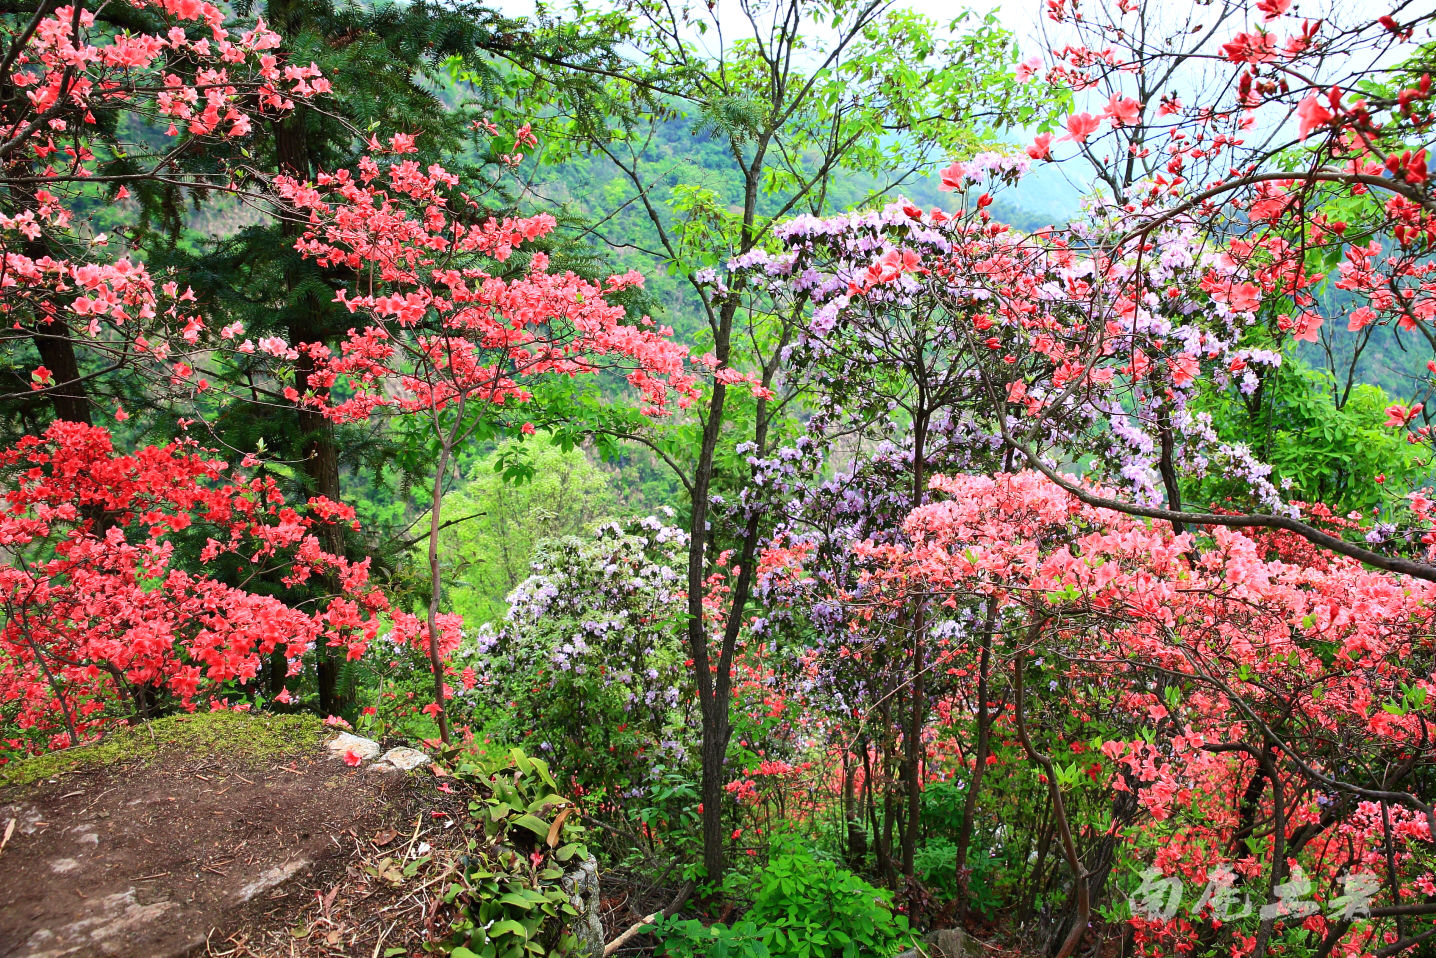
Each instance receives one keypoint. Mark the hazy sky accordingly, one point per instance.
(1023, 17)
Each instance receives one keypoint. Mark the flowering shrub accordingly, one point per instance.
(587, 669)
(445, 337)
(1251, 689)
(101, 619)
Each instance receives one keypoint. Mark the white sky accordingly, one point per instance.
(1023, 16)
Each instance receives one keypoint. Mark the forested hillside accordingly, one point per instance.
(683, 152)
(763, 478)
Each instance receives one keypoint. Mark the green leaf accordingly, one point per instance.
(507, 926)
(533, 823)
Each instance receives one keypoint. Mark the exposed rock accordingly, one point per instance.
(404, 758)
(942, 943)
(342, 744)
(581, 884)
(272, 877)
(106, 929)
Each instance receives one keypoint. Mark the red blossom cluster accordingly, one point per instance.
(103, 620)
(194, 78)
(438, 324)
(1257, 686)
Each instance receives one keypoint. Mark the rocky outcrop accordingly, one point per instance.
(131, 854)
(581, 885)
(943, 943)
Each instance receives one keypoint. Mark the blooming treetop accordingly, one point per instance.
(1304, 164)
(438, 324)
(1198, 271)
(72, 307)
(1308, 679)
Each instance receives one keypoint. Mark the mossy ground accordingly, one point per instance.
(245, 738)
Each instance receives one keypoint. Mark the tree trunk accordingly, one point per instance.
(913, 752)
(69, 397)
(1067, 945)
(857, 837)
(436, 587)
(714, 713)
(319, 447)
(979, 768)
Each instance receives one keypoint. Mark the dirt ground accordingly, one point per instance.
(186, 853)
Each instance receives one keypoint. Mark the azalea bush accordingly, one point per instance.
(104, 621)
(586, 669)
(449, 340)
(1264, 695)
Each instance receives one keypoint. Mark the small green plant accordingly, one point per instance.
(804, 907)
(667, 818)
(693, 939)
(509, 896)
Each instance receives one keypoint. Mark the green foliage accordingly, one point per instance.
(516, 496)
(509, 894)
(1326, 442)
(935, 862)
(804, 907)
(693, 939)
(665, 818)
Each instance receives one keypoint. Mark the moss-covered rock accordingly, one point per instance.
(249, 738)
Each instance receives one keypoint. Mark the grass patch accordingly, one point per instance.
(250, 739)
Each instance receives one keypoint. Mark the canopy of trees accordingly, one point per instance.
(722, 406)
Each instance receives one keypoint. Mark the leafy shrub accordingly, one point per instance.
(693, 939)
(991, 861)
(509, 896)
(588, 667)
(804, 907)
(666, 819)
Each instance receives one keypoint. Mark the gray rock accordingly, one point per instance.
(101, 931)
(581, 884)
(942, 943)
(404, 759)
(272, 877)
(366, 748)
(383, 770)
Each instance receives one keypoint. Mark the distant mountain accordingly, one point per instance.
(682, 156)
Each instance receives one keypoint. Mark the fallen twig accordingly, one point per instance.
(637, 929)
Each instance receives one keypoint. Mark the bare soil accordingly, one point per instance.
(187, 853)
